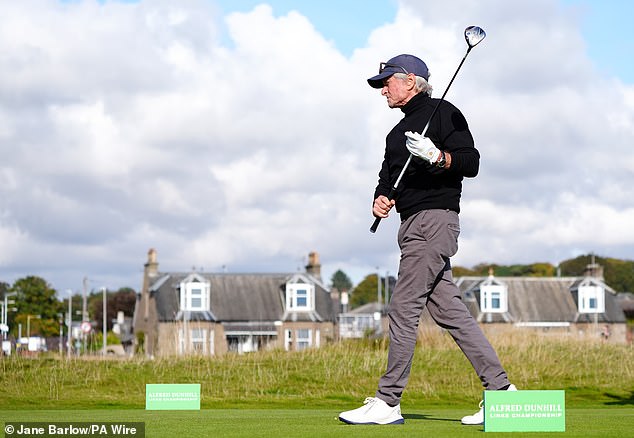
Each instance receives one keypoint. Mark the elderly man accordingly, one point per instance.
(428, 203)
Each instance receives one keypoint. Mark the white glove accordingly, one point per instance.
(422, 147)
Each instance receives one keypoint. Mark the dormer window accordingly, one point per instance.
(591, 299)
(493, 298)
(300, 297)
(194, 294)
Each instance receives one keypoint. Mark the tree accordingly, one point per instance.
(38, 308)
(618, 274)
(341, 281)
(123, 300)
(459, 271)
(483, 269)
(4, 288)
(76, 301)
(575, 267)
(365, 292)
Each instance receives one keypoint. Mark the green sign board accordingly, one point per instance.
(172, 396)
(524, 411)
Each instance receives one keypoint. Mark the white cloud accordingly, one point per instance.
(130, 126)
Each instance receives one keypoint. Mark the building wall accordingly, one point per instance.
(326, 332)
(612, 333)
(169, 339)
(220, 340)
(145, 323)
(145, 313)
(168, 336)
(508, 332)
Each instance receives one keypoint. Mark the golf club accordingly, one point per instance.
(473, 35)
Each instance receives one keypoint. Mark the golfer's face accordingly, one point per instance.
(396, 91)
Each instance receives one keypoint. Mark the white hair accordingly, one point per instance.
(422, 86)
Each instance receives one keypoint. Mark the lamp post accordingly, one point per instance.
(377, 313)
(60, 317)
(105, 321)
(3, 323)
(386, 292)
(84, 305)
(4, 316)
(378, 288)
(28, 324)
(69, 321)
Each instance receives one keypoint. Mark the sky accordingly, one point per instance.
(238, 136)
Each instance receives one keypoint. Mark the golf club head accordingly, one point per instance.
(473, 35)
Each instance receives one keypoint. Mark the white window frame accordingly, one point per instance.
(294, 297)
(591, 299)
(303, 338)
(187, 296)
(489, 293)
(212, 348)
(181, 341)
(198, 336)
(288, 339)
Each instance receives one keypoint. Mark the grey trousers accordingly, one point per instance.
(427, 240)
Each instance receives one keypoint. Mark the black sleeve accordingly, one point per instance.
(383, 187)
(452, 134)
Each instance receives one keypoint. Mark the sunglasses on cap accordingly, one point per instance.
(384, 65)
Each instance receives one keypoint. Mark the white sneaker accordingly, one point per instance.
(373, 411)
(478, 417)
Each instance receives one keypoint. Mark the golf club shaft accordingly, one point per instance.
(394, 189)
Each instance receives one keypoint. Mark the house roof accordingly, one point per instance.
(626, 301)
(539, 299)
(239, 297)
(368, 308)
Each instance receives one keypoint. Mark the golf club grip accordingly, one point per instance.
(375, 225)
(377, 220)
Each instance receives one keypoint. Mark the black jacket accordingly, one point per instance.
(423, 186)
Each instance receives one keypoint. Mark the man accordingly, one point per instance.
(428, 203)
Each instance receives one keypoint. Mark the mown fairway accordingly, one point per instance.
(436, 422)
(299, 394)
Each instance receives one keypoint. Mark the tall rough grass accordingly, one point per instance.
(334, 375)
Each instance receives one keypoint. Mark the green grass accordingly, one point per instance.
(277, 393)
(306, 423)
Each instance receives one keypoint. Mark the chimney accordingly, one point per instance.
(314, 267)
(594, 269)
(149, 273)
(151, 267)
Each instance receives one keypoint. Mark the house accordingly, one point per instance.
(122, 327)
(366, 320)
(180, 313)
(584, 306)
(626, 301)
(369, 319)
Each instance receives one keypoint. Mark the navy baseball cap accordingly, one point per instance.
(399, 64)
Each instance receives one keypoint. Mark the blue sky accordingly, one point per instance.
(606, 27)
(348, 23)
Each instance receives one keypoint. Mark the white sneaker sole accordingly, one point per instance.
(397, 421)
(475, 420)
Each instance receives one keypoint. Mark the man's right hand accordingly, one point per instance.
(382, 206)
